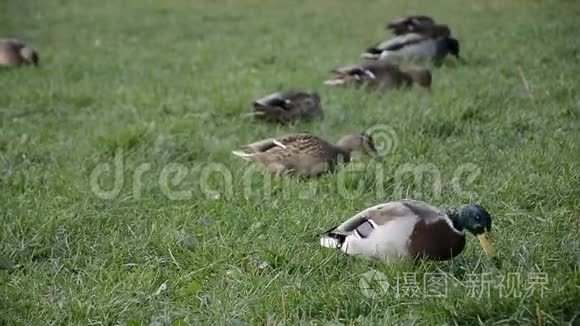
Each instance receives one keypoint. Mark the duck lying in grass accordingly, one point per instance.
(432, 46)
(379, 75)
(304, 154)
(14, 52)
(411, 229)
(290, 106)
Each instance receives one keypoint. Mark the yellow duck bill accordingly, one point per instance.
(486, 244)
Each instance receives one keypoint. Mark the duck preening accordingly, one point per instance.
(14, 52)
(304, 154)
(290, 106)
(410, 229)
(380, 75)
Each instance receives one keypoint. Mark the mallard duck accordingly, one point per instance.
(15, 53)
(380, 75)
(288, 106)
(415, 46)
(409, 24)
(412, 229)
(305, 154)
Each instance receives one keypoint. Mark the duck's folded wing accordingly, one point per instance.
(364, 223)
(277, 99)
(296, 95)
(384, 213)
(297, 139)
(266, 144)
(411, 20)
(355, 70)
(399, 21)
(408, 24)
(377, 215)
(252, 149)
(347, 70)
(425, 211)
(397, 43)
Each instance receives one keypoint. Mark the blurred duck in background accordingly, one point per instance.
(289, 106)
(378, 75)
(418, 38)
(14, 52)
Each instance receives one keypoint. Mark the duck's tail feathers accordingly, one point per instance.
(335, 82)
(243, 155)
(262, 146)
(332, 241)
(253, 114)
(370, 56)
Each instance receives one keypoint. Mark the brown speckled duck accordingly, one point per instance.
(410, 229)
(304, 154)
(290, 106)
(14, 52)
(380, 75)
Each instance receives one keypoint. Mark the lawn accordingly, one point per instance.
(122, 204)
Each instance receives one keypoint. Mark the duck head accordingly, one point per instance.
(452, 46)
(29, 55)
(362, 142)
(476, 220)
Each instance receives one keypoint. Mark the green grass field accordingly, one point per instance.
(178, 231)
